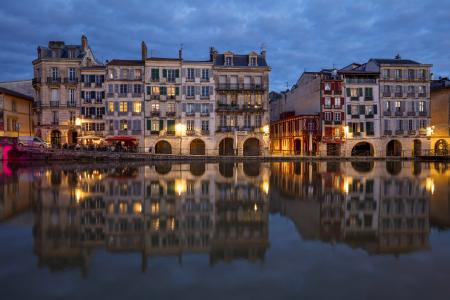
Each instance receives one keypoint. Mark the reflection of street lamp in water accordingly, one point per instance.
(180, 130)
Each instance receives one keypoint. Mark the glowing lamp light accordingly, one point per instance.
(430, 130)
(180, 186)
(78, 195)
(78, 122)
(266, 129)
(255, 207)
(429, 185)
(137, 208)
(265, 187)
(180, 129)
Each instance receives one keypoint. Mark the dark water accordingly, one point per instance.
(225, 231)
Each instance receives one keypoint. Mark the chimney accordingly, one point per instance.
(84, 42)
(263, 53)
(180, 53)
(143, 50)
(212, 54)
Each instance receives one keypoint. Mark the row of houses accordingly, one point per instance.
(166, 105)
(378, 108)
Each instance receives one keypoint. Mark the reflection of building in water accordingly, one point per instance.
(439, 185)
(165, 209)
(357, 203)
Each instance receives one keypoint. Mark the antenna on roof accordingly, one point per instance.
(398, 56)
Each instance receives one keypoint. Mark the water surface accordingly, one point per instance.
(325, 230)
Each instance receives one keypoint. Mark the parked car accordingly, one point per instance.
(32, 142)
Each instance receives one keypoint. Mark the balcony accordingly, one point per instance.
(155, 113)
(190, 113)
(239, 87)
(328, 122)
(154, 97)
(123, 95)
(109, 95)
(36, 81)
(54, 80)
(411, 113)
(136, 95)
(361, 80)
(411, 95)
(423, 113)
(398, 95)
(227, 128)
(123, 132)
(154, 132)
(332, 139)
(387, 94)
(54, 103)
(204, 114)
(388, 132)
(423, 131)
(227, 107)
(171, 114)
(355, 116)
(87, 84)
(136, 132)
(387, 113)
(170, 132)
(205, 132)
(154, 79)
(398, 113)
(399, 132)
(421, 95)
(54, 122)
(190, 132)
(71, 104)
(354, 98)
(69, 80)
(368, 98)
(98, 84)
(252, 107)
(327, 92)
(369, 116)
(412, 132)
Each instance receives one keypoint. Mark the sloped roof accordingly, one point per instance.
(125, 62)
(24, 87)
(15, 94)
(394, 61)
(240, 60)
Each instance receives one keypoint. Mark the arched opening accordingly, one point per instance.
(251, 147)
(440, 148)
(363, 166)
(197, 168)
(394, 167)
(362, 149)
(333, 149)
(163, 168)
(251, 169)
(297, 147)
(163, 147)
(197, 147)
(72, 136)
(226, 169)
(394, 148)
(55, 138)
(417, 148)
(226, 147)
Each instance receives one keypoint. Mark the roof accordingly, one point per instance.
(47, 52)
(163, 58)
(101, 67)
(125, 62)
(358, 69)
(15, 94)
(24, 87)
(385, 61)
(240, 60)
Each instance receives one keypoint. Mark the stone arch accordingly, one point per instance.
(252, 147)
(163, 168)
(226, 147)
(417, 147)
(163, 147)
(226, 169)
(394, 148)
(441, 147)
(197, 147)
(251, 169)
(297, 147)
(362, 149)
(394, 167)
(197, 168)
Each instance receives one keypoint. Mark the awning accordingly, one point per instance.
(121, 139)
(90, 137)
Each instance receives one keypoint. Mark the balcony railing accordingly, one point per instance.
(227, 128)
(240, 87)
(69, 80)
(361, 80)
(54, 122)
(423, 113)
(387, 94)
(411, 95)
(398, 113)
(155, 113)
(227, 107)
(53, 80)
(388, 132)
(170, 114)
(387, 113)
(412, 132)
(368, 98)
(411, 113)
(205, 132)
(154, 97)
(71, 104)
(54, 103)
(136, 95)
(398, 94)
(399, 132)
(36, 80)
(332, 139)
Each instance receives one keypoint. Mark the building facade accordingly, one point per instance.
(16, 112)
(56, 84)
(440, 116)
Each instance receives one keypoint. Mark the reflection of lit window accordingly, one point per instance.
(123, 207)
(111, 208)
(155, 208)
(171, 223)
(137, 208)
(155, 224)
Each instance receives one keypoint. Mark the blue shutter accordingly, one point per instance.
(116, 124)
(149, 124)
(116, 106)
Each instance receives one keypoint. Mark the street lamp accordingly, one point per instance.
(180, 131)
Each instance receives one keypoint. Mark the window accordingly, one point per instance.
(72, 96)
(421, 73)
(204, 108)
(228, 61)
(398, 106)
(369, 110)
(386, 73)
(137, 106)
(190, 91)
(337, 102)
(111, 107)
(411, 74)
(370, 128)
(386, 124)
(355, 110)
(258, 120)
(205, 91)
(123, 106)
(247, 120)
(354, 92)
(171, 74)
(423, 123)
(410, 125)
(155, 107)
(368, 93)
(337, 116)
(54, 73)
(123, 125)
(155, 126)
(155, 74)
(253, 61)
(421, 106)
(171, 107)
(137, 89)
(55, 95)
(190, 108)
(123, 88)
(327, 116)
(14, 106)
(387, 106)
(327, 102)
(398, 90)
(327, 86)
(398, 73)
(171, 91)
(137, 74)
(190, 74)
(205, 74)
(155, 90)
(190, 125)
(71, 73)
(422, 91)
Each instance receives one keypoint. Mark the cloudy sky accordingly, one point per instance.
(298, 35)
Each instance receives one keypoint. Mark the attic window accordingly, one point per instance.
(228, 61)
(253, 61)
(71, 54)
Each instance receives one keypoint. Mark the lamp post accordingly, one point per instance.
(180, 130)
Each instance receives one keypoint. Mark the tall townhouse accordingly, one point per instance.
(405, 100)
(162, 104)
(362, 131)
(57, 90)
(440, 116)
(92, 102)
(125, 99)
(242, 117)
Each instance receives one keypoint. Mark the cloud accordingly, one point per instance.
(298, 35)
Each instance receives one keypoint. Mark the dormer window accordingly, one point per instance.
(253, 61)
(228, 61)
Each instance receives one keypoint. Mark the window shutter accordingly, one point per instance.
(177, 90)
(82, 110)
(161, 124)
(149, 124)
(375, 109)
(349, 109)
(82, 78)
(361, 127)
(177, 73)
(103, 94)
(116, 106)
(360, 92)
(342, 117)
(148, 90)
(163, 90)
(164, 73)
(348, 92)
(362, 110)
(116, 124)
